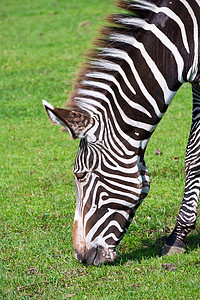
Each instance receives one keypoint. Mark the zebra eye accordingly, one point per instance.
(81, 176)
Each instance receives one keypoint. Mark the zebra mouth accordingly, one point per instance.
(88, 257)
(96, 256)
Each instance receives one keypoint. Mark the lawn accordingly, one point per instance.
(42, 44)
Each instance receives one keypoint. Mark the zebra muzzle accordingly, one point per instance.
(87, 257)
(96, 256)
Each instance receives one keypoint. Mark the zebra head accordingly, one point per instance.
(108, 188)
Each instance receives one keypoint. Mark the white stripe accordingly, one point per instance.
(97, 241)
(92, 106)
(168, 12)
(168, 94)
(174, 17)
(107, 65)
(135, 191)
(119, 168)
(123, 55)
(101, 96)
(194, 68)
(102, 220)
(162, 37)
(99, 75)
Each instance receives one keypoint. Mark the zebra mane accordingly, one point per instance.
(136, 14)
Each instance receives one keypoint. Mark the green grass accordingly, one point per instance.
(42, 43)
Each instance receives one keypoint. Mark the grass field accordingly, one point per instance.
(41, 46)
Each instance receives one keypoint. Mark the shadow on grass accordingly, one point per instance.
(152, 248)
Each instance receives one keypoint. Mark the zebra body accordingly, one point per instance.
(119, 99)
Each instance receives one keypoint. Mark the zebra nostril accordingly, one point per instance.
(90, 255)
(87, 257)
(79, 256)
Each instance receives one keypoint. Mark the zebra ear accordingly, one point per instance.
(76, 123)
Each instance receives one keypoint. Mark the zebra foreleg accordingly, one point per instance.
(186, 219)
(187, 216)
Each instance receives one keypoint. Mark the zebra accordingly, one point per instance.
(140, 61)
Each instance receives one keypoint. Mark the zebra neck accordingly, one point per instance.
(132, 77)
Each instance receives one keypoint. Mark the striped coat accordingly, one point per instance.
(140, 62)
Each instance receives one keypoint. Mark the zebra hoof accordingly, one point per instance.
(175, 248)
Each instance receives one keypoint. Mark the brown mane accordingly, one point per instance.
(103, 41)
